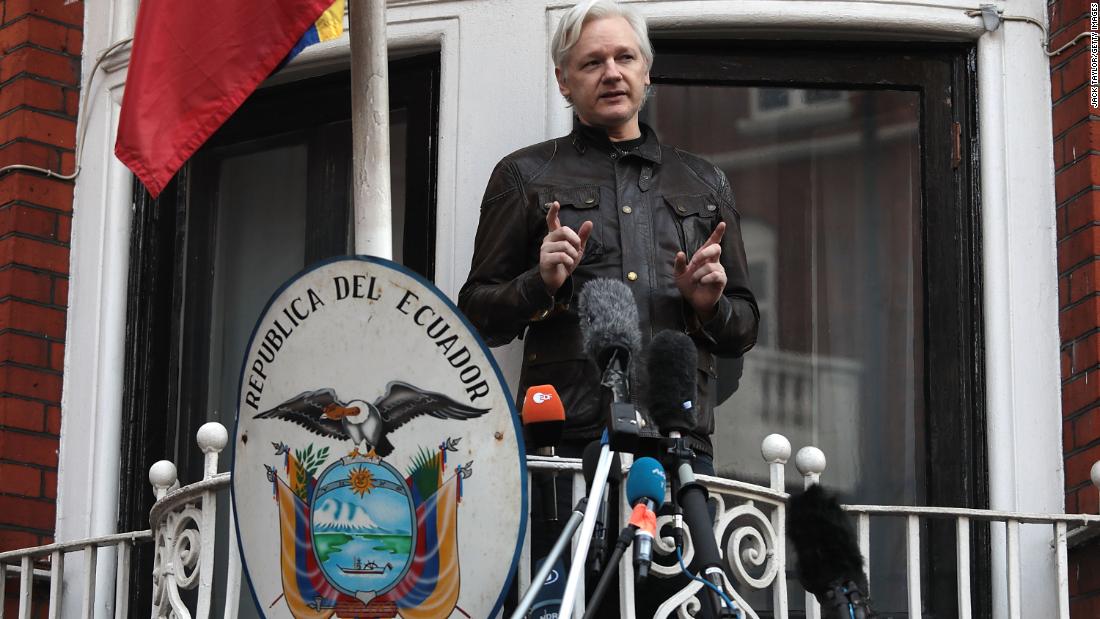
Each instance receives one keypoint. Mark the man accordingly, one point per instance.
(608, 200)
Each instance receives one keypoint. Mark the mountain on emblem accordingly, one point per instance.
(367, 424)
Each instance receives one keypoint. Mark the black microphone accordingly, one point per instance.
(830, 565)
(671, 362)
(597, 552)
(609, 330)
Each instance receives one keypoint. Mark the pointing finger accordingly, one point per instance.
(708, 253)
(552, 221)
(716, 236)
(584, 233)
(679, 264)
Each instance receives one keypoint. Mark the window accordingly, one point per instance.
(266, 196)
(860, 229)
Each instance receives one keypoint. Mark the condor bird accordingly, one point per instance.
(364, 423)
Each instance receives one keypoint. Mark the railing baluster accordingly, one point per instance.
(962, 561)
(863, 528)
(212, 437)
(776, 450)
(87, 605)
(626, 564)
(579, 490)
(912, 567)
(57, 573)
(122, 581)
(1063, 569)
(810, 461)
(1014, 600)
(26, 587)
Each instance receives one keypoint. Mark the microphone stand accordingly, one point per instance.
(576, 569)
(625, 538)
(691, 497)
(548, 563)
(621, 435)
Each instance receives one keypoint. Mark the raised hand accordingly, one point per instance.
(702, 280)
(562, 249)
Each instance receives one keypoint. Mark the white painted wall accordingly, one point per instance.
(498, 94)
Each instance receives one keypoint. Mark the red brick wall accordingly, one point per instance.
(1077, 190)
(40, 43)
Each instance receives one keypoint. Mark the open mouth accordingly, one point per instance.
(613, 94)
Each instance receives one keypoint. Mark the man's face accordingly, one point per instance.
(605, 75)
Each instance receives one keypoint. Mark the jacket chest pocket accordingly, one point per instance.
(578, 205)
(695, 217)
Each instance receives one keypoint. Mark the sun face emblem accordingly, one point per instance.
(361, 480)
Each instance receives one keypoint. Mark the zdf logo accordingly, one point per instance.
(540, 397)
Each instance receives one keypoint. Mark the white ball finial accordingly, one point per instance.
(810, 461)
(776, 449)
(212, 437)
(1095, 474)
(162, 474)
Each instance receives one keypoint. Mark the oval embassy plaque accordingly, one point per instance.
(376, 446)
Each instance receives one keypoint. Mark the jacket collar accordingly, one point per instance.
(584, 137)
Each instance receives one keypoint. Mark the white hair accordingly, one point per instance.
(569, 28)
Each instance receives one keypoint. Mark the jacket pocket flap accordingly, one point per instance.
(702, 204)
(586, 196)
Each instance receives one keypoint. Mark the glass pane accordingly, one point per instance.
(773, 98)
(830, 203)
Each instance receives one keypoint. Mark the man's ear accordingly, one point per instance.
(560, 77)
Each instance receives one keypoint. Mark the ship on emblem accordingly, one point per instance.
(365, 423)
(370, 568)
(358, 537)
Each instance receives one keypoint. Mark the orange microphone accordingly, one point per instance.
(543, 418)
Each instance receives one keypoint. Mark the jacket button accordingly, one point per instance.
(681, 208)
(627, 209)
(711, 207)
(632, 276)
(532, 357)
(614, 155)
(590, 201)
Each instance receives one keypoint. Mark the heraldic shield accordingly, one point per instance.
(378, 466)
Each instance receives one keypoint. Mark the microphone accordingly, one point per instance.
(597, 553)
(608, 321)
(671, 364)
(543, 417)
(610, 334)
(645, 490)
(830, 565)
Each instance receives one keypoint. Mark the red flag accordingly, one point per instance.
(192, 65)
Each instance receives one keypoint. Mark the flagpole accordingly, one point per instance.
(370, 128)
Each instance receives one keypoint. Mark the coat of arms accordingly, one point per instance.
(366, 401)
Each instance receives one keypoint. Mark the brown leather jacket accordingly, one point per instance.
(645, 204)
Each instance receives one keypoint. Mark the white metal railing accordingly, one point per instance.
(750, 525)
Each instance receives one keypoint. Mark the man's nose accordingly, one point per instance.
(611, 71)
